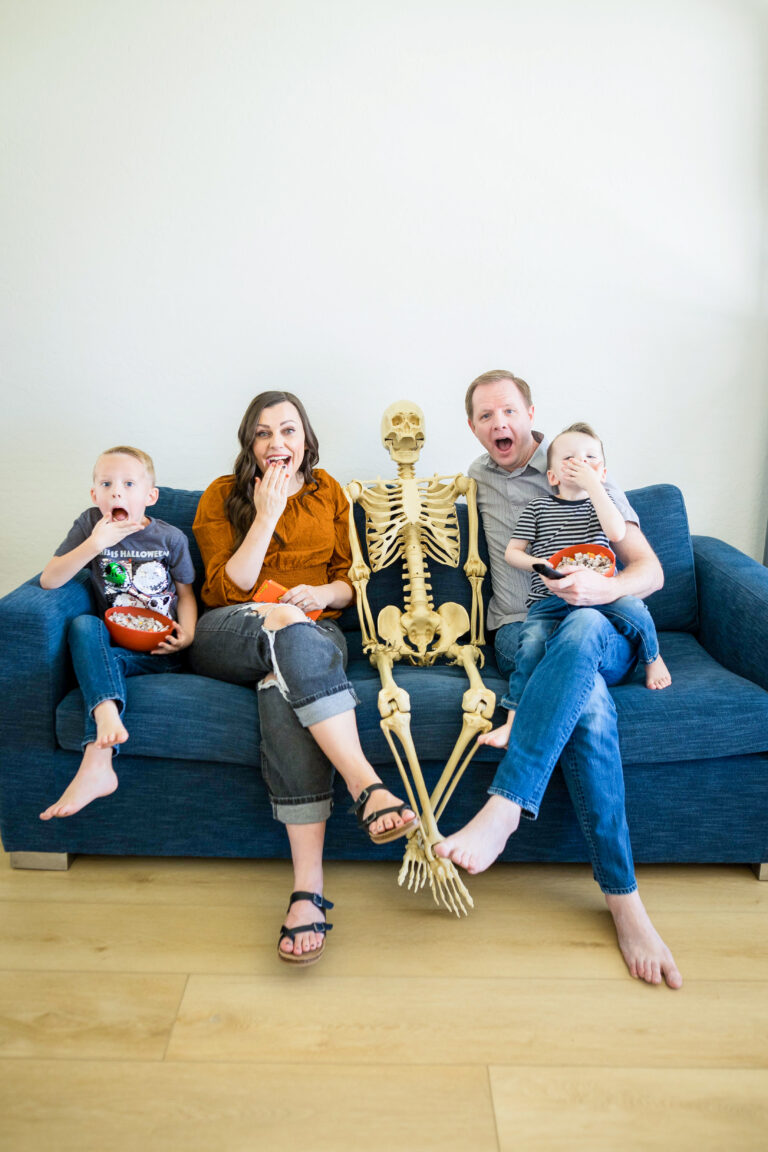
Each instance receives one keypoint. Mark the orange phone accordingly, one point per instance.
(270, 592)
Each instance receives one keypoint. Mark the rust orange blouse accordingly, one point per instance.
(310, 544)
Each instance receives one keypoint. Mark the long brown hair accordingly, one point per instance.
(240, 501)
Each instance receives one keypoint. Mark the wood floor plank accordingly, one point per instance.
(81, 1106)
(604, 1109)
(308, 1016)
(388, 939)
(160, 880)
(78, 1016)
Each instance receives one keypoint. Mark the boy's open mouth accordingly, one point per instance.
(119, 514)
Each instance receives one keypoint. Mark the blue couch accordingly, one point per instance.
(695, 755)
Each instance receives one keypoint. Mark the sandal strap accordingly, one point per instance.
(364, 797)
(313, 897)
(366, 821)
(292, 933)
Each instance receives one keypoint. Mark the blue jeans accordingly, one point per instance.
(101, 668)
(566, 712)
(309, 685)
(628, 615)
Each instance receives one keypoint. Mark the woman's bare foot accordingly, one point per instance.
(657, 674)
(498, 737)
(95, 777)
(475, 846)
(645, 953)
(110, 729)
(302, 912)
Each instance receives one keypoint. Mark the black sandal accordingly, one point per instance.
(365, 822)
(321, 928)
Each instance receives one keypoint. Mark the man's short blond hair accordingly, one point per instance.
(579, 426)
(143, 457)
(496, 377)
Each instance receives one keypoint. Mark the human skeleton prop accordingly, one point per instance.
(416, 520)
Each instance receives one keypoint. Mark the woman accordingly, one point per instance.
(281, 518)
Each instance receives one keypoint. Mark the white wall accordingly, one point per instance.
(366, 200)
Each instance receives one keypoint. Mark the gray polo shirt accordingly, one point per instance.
(501, 497)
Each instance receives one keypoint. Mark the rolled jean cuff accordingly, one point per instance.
(313, 811)
(529, 810)
(617, 891)
(338, 700)
(511, 706)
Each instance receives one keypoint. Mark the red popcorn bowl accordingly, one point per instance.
(572, 550)
(136, 637)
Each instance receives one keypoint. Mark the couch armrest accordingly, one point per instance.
(733, 608)
(34, 664)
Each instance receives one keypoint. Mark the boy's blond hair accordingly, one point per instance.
(579, 426)
(125, 450)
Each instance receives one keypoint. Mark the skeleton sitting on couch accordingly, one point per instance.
(414, 520)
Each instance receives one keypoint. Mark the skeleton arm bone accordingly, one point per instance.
(474, 568)
(359, 573)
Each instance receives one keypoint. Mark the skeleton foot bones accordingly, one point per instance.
(412, 521)
(421, 865)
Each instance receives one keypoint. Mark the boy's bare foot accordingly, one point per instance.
(95, 777)
(110, 729)
(302, 912)
(657, 674)
(475, 846)
(645, 953)
(498, 737)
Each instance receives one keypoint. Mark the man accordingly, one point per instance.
(584, 657)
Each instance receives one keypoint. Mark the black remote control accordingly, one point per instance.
(548, 571)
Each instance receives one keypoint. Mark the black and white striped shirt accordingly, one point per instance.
(550, 524)
(501, 497)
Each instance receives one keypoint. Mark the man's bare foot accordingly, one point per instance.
(475, 846)
(657, 674)
(110, 729)
(645, 953)
(498, 737)
(95, 777)
(302, 912)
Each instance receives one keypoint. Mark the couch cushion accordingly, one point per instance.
(664, 521)
(177, 717)
(706, 712)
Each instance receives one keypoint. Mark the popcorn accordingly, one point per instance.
(140, 623)
(598, 563)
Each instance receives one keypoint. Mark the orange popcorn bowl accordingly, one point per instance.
(585, 549)
(137, 638)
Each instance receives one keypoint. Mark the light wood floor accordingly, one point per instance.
(142, 1008)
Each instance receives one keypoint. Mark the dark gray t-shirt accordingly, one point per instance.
(141, 570)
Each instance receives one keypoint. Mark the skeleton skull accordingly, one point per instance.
(402, 431)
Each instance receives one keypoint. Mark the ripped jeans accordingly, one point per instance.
(308, 661)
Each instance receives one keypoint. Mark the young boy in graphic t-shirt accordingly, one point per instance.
(133, 560)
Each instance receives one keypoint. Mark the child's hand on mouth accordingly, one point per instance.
(107, 532)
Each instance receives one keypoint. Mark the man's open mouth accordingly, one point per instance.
(504, 444)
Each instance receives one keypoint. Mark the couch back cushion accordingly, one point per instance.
(664, 521)
(662, 517)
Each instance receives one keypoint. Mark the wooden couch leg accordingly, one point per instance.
(761, 870)
(52, 861)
